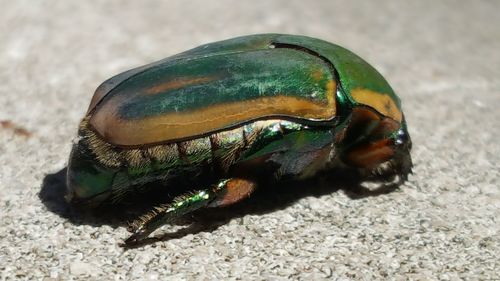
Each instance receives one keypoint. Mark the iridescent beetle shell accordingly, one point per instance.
(219, 117)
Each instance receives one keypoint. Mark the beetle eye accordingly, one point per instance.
(403, 138)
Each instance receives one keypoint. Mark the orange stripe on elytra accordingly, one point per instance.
(177, 84)
(179, 125)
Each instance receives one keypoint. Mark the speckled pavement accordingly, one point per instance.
(442, 57)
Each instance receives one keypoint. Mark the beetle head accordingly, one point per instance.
(402, 157)
(378, 145)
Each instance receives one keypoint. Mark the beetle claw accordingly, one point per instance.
(132, 240)
(137, 236)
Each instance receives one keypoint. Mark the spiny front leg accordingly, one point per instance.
(226, 192)
(377, 145)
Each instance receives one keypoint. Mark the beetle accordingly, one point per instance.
(222, 116)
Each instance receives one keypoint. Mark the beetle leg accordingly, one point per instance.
(234, 190)
(378, 145)
(226, 192)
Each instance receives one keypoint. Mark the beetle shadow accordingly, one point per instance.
(266, 199)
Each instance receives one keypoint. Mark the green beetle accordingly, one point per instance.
(221, 116)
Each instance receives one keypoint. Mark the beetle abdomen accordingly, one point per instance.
(219, 149)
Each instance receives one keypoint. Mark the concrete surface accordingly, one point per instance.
(442, 57)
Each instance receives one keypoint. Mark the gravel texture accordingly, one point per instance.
(442, 57)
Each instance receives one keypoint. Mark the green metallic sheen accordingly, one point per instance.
(237, 77)
(206, 166)
(354, 72)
